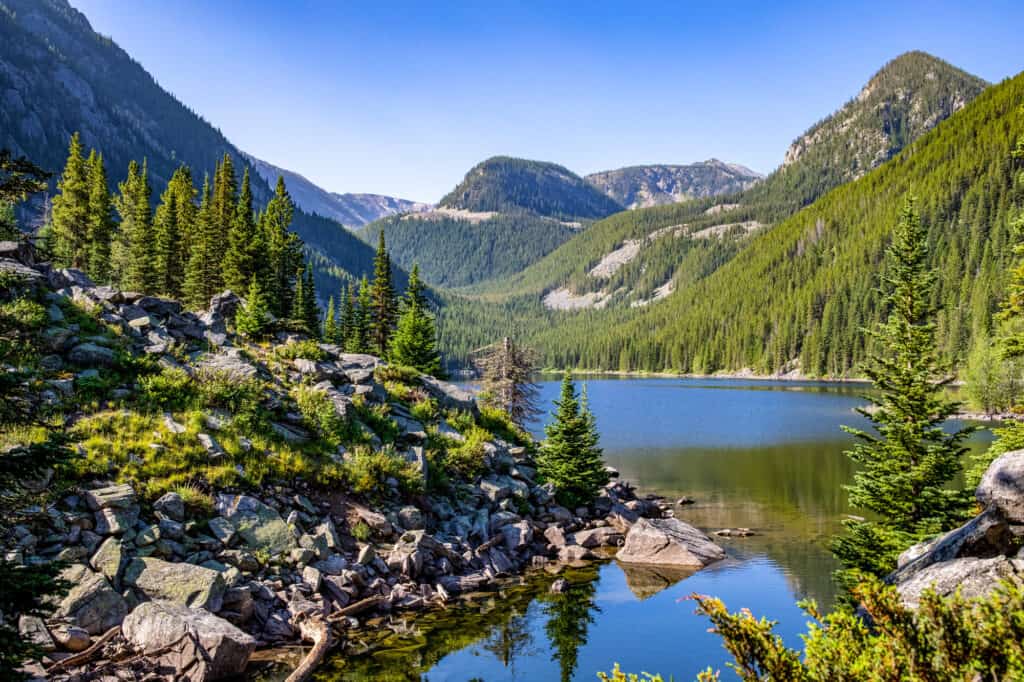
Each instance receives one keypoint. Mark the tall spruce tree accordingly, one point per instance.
(19, 178)
(359, 336)
(282, 251)
(253, 319)
(305, 314)
(906, 466)
(173, 227)
(101, 220)
(329, 333)
(70, 228)
(244, 246)
(135, 243)
(345, 320)
(383, 295)
(570, 458)
(200, 280)
(414, 343)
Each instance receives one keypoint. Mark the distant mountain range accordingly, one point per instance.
(351, 210)
(643, 186)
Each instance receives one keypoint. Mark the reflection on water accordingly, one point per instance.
(757, 454)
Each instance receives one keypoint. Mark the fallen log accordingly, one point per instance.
(358, 607)
(313, 629)
(85, 656)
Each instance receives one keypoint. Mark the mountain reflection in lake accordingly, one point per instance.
(758, 454)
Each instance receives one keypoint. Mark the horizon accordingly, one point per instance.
(559, 90)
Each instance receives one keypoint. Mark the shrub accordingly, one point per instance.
(196, 500)
(466, 459)
(617, 675)
(397, 374)
(426, 411)
(376, 417)
(240, 397)
(308, 350)
(171, 389)
(319, 414)
(497, 421)
(367, 472)
(361, 531)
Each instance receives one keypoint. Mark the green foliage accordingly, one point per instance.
(382, 295)
(359, 339)
(171, 389)
(992, 381)
(616, 675)
(414, 343)
(253, 318)
(948, 638)
(904, 468)
(307, 349)
(71, 210)
(465, 459)
(570, 458)
(361, 531)
(319, 414)
(1009, 437)
(134, 246)
(242, 260)
(367, 472)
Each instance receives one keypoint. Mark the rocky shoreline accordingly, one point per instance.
(162, 590)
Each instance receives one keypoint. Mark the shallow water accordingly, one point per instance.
(759, 454)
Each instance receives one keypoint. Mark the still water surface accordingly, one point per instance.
(758, 454)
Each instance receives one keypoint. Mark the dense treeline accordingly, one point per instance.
(453, 252)
(508, 185)
(802, 290)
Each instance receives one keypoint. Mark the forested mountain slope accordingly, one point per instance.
(351, 210)
(904, 99)
(58, 76)
(799, 294)
(655, 185)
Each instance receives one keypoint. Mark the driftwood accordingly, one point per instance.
(497, 539)
(313, 629)
(358, 607)
(85, 656)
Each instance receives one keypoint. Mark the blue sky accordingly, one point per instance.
(403, 98)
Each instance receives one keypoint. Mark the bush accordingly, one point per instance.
(378, 419)
(367, 472)
(319, 414)
(240, 397)
(308, 350)
(397, 374)
(426, 411)
(617, 675)
(466, 459)
(361, 531)
(171, 389)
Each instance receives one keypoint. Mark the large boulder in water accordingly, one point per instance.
(668, 542)
(1002, 486)
(196, 644)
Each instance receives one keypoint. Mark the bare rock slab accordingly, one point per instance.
(185, 584)
(668, 542)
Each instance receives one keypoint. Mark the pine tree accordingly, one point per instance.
(383, 295)
(305, 315)
(8, 222)
(19, 178)
(71, 210)
(570, 457)
(244, 245)
(905, 469)
(173, 226)
(136, 243)
(199, 278)
(282, 251)
(329, 333)
(101, 220)
(359, 336)
(414, 343)
(345, 317)
(507, 372)
(253, 319)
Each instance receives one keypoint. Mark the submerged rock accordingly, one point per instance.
(668, 542)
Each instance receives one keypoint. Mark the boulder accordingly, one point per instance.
(91, 603)
(108, 560)
(645, 581)
(972, 576)
(258, 526)
(179, 583)
(985, 535)
(195, 643)
(229, 363)
(171, 505)
(450, 396)
(603, 536)
(1002, 486)
(33, 630)
(668, 542)
(111, 497)
(91, 355)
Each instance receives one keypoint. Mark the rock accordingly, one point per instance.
(645, 581)
(289, 434)
(171, 505)
(974, 577)
(224, 305)
(985, 535)
(495, 489)
(173, 427)
(91, 603)
(229, 363)
(71, 638)
(450, 396)
(571, 554)
(222, 530)
(411, 518)
(734, 533)
(555, 536)
(210, 444)
(445, 430)
(417, 457)
(114, 521)
(366, 555)
(33, 630)
(203, 646)
(560, 586)
(668, 542)
(517, 535)
(1002, 486)
(179, 583)
(378, 523)
(108, 559)
(91, 355)
(112, 497)
(603, 536)
(311, 576)
(259, 527)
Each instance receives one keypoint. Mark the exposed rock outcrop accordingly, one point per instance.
(668, 542)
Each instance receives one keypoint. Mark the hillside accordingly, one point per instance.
(507, 185)
(351, 210)
(911, 83)
(58, 76)
(643, 186)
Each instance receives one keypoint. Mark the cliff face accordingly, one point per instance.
(642, 186)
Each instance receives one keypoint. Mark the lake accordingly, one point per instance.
(766, 455)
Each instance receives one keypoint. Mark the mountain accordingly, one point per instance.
(351, 210)
(643, 186)
(58, 76)
(632, 265)
(506, 185)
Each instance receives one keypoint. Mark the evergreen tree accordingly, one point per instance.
(253, 318)
(905, 469)
(414, 343)
(8, 222)
(199, 286)
(173, 226)
(282, 251)
(570, 457)
(383, 295)
(330, 326)
(71, 210)
(136, 243)
(507, 372)
(345, 317)
(358, 339)
(305, 315)
(570, 615)
(19, 178)
(244, 245)
(101, 220)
